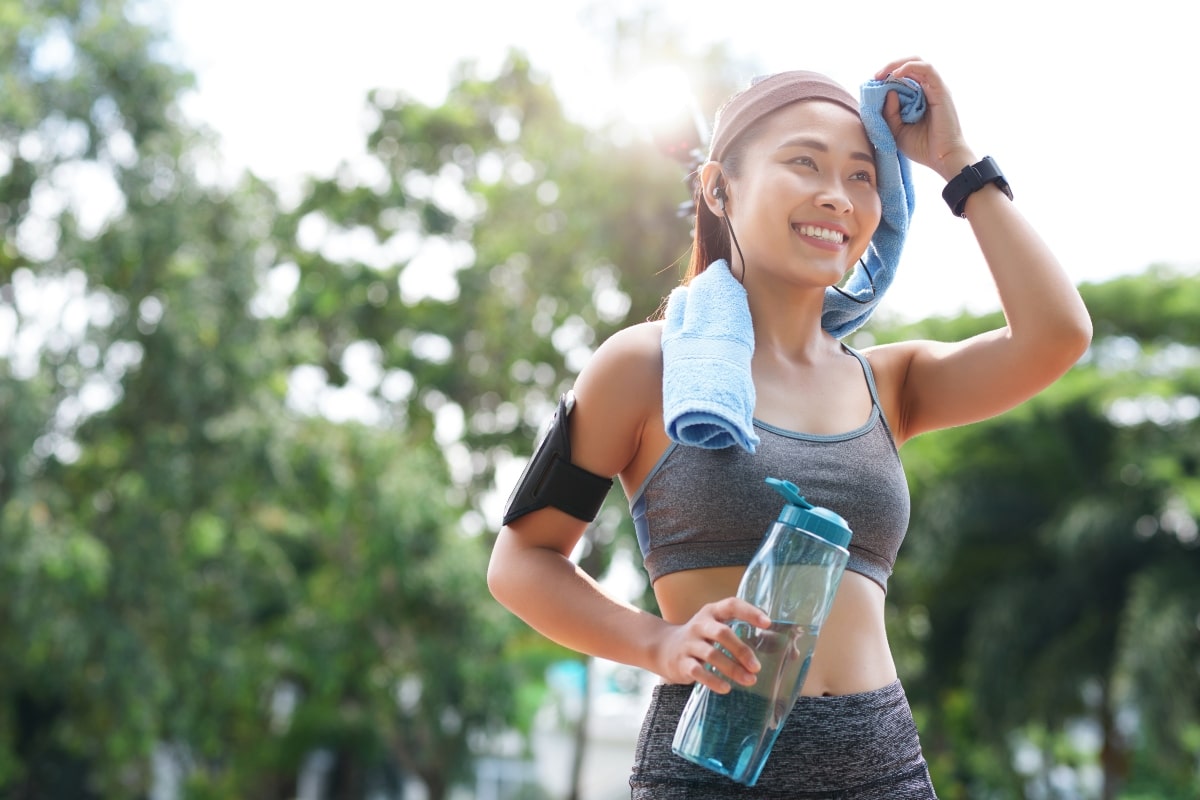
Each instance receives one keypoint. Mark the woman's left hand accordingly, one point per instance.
(936, 140)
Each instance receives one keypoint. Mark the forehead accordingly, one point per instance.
(820, 119)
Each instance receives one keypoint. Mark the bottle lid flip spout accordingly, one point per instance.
(799, 513)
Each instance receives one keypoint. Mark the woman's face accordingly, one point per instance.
(805, 204)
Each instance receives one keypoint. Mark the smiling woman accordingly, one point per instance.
(800, 183)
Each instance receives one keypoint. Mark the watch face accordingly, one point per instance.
(991, 173)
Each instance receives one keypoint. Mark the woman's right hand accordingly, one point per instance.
(689, 653)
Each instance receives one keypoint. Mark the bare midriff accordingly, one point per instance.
(852, 653)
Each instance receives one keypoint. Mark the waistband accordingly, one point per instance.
(828, 746)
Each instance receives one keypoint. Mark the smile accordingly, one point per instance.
(824, 234)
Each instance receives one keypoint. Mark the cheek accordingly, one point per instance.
(871, 209)
(873, 205)
(871, 214)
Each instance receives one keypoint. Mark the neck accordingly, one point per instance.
(787, 324)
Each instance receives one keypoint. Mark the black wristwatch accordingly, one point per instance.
(971, 180)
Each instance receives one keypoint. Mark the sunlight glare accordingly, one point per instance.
(658, 99)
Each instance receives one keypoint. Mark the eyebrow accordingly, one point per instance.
(817, 144)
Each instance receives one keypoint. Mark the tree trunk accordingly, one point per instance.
(346, 778)
(581, 733)
(435, 786)
(1114, 753)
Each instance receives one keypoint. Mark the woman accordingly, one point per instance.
(794, 192)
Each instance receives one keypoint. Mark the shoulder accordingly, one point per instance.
(617, 394)
(890, 361)
(633, 353)
(644, 338)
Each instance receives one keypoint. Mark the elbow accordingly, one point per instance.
(1068, 328)
(1071, 339)
(506, 570)
(496, 576)
(1055, 344)
(1081, 334)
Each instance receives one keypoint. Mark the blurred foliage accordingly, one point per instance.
(1045, 601)
(192, 567)
(251, 451)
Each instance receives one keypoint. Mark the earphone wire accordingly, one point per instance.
(843, 292)
(733, 237)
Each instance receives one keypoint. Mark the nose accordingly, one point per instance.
(833, 196)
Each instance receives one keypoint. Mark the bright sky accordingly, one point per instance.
(1078, 102)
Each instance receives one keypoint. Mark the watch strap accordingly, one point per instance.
(973, 178)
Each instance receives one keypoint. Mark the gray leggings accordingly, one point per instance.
(852, 747)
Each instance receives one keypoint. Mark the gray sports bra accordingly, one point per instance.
(711, 508)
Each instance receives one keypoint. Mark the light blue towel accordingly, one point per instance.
(708, 338)
(707, 343)
(842, 315)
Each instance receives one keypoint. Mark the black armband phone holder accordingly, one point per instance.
(550, 479)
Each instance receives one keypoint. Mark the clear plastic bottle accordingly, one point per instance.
(793, 578)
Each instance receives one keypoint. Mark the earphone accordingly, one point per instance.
(719, 194)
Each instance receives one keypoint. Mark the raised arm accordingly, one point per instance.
(531, 572)
(1047, 325)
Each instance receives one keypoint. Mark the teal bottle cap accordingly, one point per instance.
(799, 513)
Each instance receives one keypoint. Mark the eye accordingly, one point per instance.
(863, 175)
(806, 161)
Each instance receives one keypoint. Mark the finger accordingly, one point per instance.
(702, 670)
(891, 111)
(927, 78)
(894, 66)
(735, 658)
(703, 674)
(735, 608)
(721, 667)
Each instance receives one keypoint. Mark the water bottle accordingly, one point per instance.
(793, 578)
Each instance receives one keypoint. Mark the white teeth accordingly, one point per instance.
(822, 233)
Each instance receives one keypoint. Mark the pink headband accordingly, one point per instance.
(768, 94)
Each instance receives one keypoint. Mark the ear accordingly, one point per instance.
(716, 188)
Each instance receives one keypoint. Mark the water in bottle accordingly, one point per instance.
(793, 577)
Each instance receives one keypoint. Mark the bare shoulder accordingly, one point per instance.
(643, 340)
(631, 357)
(889, 361)
(616, 394)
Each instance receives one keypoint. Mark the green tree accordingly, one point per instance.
(183, 535)
(1051, 557)
(85, 104)
(518, 241)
